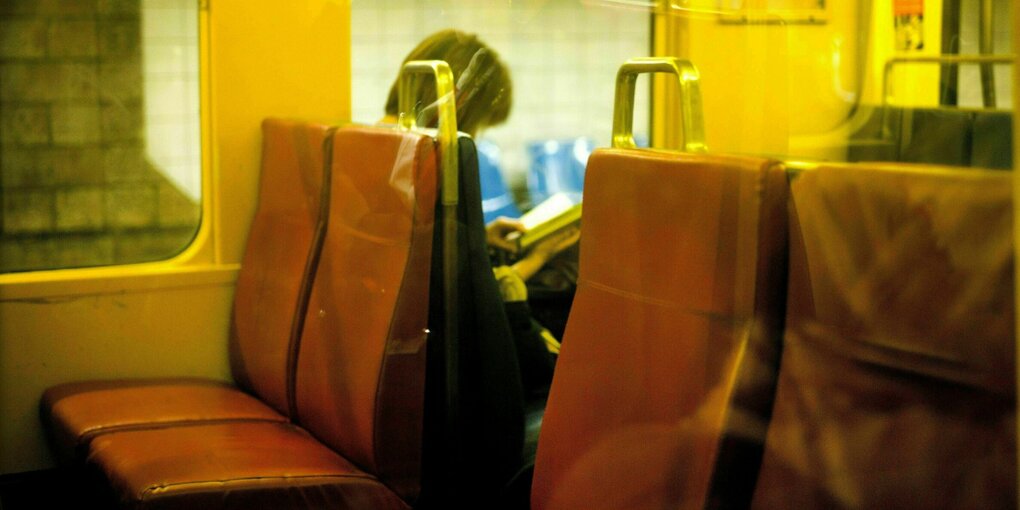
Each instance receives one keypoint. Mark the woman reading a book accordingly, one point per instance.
(484, 95)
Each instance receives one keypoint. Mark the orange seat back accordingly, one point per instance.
(361, 368)
(682, 262)
(275, 275)
(897, 381)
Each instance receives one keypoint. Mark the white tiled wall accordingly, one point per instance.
(170, 74)
(563, 55)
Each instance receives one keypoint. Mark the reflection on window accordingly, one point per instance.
(969, 86)
(100, 138)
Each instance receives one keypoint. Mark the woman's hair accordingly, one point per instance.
(484, 92)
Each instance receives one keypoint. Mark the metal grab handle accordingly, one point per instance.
(943, 59)
(986, 42)
(410, 107)
(692, 119)
(449, 167)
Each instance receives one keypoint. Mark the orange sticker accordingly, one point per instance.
(908, 7)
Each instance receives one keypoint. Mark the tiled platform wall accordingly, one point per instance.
(76, 184)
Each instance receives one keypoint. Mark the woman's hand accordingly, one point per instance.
(498, 229)
(554, 244)
(545, 250)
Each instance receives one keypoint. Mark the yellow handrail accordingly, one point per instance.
(449, 167)
(691, 116)
(410, 108)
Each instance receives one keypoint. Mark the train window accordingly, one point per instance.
(100, 132)
(562, 54)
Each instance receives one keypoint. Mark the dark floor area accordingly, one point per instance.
(51, 488)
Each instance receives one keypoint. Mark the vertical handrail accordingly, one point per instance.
(985, 43)
(410, 108)
(449, 166)
(692, 138)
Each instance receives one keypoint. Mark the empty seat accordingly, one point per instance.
(668, 360)
(897, 381)
(992, 145)
(943, 136)
(360, 370)
(76, 413)
(939, 136)
(269, 305)
(235, 465)
(878, 138)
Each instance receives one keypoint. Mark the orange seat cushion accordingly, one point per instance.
(234, 465)
(274, 275)
(75, 413)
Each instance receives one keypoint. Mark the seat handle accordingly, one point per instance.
(692, 138)
(410, 107)
(449, 167)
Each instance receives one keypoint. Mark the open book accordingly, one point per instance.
(556, 213)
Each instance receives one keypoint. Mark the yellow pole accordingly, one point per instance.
(1016, 224)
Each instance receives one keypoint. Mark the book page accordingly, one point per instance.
(547, 210)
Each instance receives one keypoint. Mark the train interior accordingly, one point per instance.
(247, 255)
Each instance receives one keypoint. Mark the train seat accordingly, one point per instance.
(76, 413)
(284, 239)
(992, 145)
(941, 136)
(668, 360)
(234, 465)
(360, 371)
(897, 380)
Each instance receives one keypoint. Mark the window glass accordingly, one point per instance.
(100, 153)
(563, 56)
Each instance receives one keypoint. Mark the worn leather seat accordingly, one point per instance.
(269, 305)
(360, 370)
(668, 361)
(359, 377)
(253, 465)
(897, 381)
(77, 413)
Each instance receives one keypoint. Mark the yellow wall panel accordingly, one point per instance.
(46, 341)
(1016, 224)
(270, 59)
